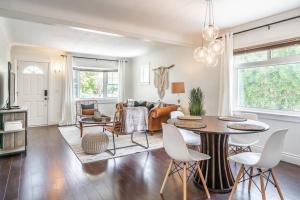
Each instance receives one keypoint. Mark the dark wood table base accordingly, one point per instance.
(216, 171)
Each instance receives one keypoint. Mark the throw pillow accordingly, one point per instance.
(88, 111)
(141, 103)
(150, 106)
(87, 106)
(130, 102)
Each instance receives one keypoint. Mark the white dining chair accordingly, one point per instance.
(264, 163)
(242, 143)
(190, 138)
(176, 148)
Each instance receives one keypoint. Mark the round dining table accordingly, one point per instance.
(214, 142)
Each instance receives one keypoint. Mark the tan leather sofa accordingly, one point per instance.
(160, 115)
(157, 116)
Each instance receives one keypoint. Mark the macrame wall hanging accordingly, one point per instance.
(161, 80)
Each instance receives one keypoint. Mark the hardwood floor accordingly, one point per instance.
(51, 171)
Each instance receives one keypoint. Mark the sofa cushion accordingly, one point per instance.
(163, 111)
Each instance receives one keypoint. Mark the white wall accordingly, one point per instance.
(4, 58)
(186, 70)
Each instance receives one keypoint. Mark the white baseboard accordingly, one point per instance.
(287, 157)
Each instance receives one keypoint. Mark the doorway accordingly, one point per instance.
(33, 90)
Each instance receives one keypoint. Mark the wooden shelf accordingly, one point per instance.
(13, 131)
(18, 110)
(12, 151)
(14, 141)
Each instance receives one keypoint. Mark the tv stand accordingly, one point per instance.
(13, 141)
(10, 108)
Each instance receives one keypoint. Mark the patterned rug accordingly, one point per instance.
(71, 134)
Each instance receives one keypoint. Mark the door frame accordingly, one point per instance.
(16, 69)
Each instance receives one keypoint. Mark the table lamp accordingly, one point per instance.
(178, 88)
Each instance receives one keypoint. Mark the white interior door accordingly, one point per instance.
(33, 90)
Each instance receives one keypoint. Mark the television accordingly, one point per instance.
(11, 89)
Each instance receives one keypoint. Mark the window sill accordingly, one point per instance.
(272, 115)
(103, 101)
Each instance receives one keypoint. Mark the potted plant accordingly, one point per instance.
(196, 102)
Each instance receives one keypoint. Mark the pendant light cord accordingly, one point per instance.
(209, 13)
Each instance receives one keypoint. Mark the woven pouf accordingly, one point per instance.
(94, 143)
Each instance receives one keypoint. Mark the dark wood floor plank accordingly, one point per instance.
(52, 171)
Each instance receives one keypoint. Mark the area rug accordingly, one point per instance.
(71, 134)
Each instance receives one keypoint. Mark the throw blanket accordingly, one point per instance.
(136, 119)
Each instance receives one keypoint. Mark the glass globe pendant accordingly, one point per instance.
(200, 54)
(216, 46)
(211, 60)
(210, 33)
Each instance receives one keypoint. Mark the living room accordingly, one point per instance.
(90, 91)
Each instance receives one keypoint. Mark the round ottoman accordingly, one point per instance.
(94, 143)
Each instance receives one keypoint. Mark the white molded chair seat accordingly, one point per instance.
(267, 160)
(189, 137)
(176, 148)
(242, 143)
(247, 140)
(197, 156)
(246, 158)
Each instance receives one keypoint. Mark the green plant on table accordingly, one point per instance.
(196, 102)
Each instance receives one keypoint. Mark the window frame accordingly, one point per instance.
(105, 98)
(269, 62)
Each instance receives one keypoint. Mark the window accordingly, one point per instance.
(32, 70)
(90, 84)
(145, 74)
(112, 84)
(269, 80)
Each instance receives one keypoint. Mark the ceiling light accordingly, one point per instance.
(216, 47)
(211, 60)
(95, 31)
(200, 54)
(210, 32)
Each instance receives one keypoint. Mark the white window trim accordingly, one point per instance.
(271, 114)
(290, 116)
(105, 99)
(101, 100)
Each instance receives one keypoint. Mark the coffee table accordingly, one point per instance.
(91, 121)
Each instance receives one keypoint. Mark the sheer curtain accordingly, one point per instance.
(121, 70)
(226, 73)
(68, 102)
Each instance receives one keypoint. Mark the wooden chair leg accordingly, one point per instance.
(184, 181)
(262, 185)
(250, 179)
(250, 149)
(236, 181)
(203, 181)
(187, 167)
(276, 184)
(166, 177)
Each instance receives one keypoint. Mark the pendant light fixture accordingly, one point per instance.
(210, 31)
(200, 54)
(209, 55)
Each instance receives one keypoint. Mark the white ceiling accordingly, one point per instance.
(75, 41)
(175, 21)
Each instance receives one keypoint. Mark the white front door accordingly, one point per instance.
(33, 90)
